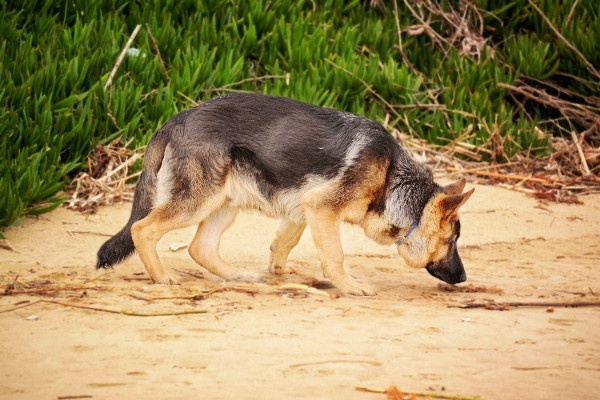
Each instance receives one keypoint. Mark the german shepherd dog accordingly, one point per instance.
(304, 164)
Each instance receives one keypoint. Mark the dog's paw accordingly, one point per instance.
(359, 289)
(167, 279)
(279, 270)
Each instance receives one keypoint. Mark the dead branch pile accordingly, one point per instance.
(104, 181)
(461, 28)
(571, 169)
(584, 112)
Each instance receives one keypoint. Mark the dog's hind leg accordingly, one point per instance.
(287, 237)
(204, 248)
(173, 214)
(325, 228)
(146, 233)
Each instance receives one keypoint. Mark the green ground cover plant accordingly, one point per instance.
(443, 71)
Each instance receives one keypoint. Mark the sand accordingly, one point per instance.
(268, 341)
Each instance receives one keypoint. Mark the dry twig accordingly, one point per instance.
(470, 288)
(5, 244)
(585, 114)
(584, 166)
(557, 177)
(128, 313)
(459, 25)
(121, 56)
(228, 87)
(45, 291)
(162, 63)
(393, 393)
(507, 305)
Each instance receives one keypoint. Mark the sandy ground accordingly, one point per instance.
(263, 341)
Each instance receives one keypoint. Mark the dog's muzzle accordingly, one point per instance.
(449, 269)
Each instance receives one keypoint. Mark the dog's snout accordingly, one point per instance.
(446, 275)
(449, 270)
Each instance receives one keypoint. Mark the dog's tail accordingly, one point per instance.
(121, 246)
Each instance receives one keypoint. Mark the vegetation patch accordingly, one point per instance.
(494, 79)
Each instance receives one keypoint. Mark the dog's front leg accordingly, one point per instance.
(287, 237)
(325, 228)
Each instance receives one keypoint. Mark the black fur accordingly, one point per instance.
(120, 246)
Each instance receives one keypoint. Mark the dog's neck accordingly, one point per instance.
(411, 187)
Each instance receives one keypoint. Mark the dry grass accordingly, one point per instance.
(570, 170)
(105, 180)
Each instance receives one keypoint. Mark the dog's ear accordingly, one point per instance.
(455, 188)
(450, 203)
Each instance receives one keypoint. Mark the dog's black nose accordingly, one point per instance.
(449, 275)
(449, 269)
(457, 278)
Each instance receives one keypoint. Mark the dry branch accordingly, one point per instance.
(502, 306)
(5, 244)
(460, 29)
(470, 288)
(44, 291)
(228, 87)
(121, 56)
(393, 393)
(584, 166)
(128, 313)
(586, 114)
(162, 63)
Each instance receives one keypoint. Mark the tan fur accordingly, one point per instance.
(147, 232)
(428, 242)
(374, 225)
(287, 237)
(218, 212)
(324, 221)
(456, 187)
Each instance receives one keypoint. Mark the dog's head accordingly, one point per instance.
(431, 244)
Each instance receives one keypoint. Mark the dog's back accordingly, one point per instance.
(289, 138)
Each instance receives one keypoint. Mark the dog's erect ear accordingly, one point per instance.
(450, 203)
(455, 188)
